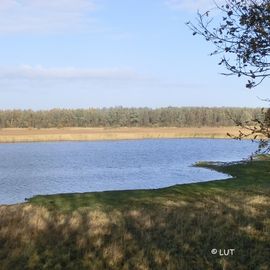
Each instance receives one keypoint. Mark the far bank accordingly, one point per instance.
(12, 135)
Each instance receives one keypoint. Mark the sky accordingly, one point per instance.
(106, 53)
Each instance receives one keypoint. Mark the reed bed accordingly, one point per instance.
(97, 134)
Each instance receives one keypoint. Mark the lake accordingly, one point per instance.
(28, 169)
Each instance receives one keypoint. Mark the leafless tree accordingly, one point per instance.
(240, 33)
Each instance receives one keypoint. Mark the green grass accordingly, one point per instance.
(246, 176)
(170, 228)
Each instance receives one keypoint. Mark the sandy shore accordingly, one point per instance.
(96, 134)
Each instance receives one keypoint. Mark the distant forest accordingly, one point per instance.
(126, 117)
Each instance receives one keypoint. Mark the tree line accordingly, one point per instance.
(127, 117)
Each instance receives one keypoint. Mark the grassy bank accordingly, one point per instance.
(95, 134)
(171, 228)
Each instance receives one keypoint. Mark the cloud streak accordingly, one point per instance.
(66, 73)
(192, 5)
(44, 15)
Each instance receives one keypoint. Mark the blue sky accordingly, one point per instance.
(102, 53)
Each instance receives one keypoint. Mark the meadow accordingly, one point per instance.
(170, 228)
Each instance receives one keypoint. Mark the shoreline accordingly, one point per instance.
(131, 227)
(17, 135)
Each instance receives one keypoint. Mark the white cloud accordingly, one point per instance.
(192, 5)
(44, 73)
(44, 15)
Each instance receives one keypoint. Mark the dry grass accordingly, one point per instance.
(167, 238)
(91, 134)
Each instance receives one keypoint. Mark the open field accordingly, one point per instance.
(173, 228)
(90, 134)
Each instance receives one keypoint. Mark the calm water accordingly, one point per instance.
(47, 168)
